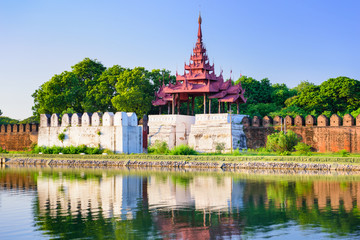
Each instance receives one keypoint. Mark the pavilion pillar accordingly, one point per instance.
(204, 103)
(222, 107)
(219, 107)
(209, 106)
(237, 107)
(168, 107)
(187, 107)
(229, 107)
(178, 104)
(159, 110)
(173, 104)
(192, 105)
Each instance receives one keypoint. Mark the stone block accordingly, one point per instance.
(9, 128)
(96, 119)
(322, 121)
(76, 120)
(256, 122)
(66, 120)
(45, 120)
(108, 119)
(267, 121)
(86, 119)
(348, 120)
(289, 120)
(277, 121)
(55, 120)
(246, 122)
(132, 119)
(299, 121)
(335, 120)
(121, 119)
(310, 120)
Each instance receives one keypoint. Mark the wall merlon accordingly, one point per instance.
(335, 120)
(256, 121)
(348, 120)
(289, 120)
(267, 121)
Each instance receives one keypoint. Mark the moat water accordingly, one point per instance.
(66, 203)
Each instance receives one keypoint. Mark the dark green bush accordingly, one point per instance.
(303, 149)
(3, 150)
(281, 142)
(67, 150)
(183, 150)
(159, 147)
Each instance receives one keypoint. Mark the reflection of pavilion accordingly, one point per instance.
(115, 196)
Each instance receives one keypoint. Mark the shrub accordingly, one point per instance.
(303, 148)
(61, 136)
(183, 150)
(344, 153)
(281, 142)
(236, 152)
(220, 147)
(67, 150)
(159, 147)
(3, 150)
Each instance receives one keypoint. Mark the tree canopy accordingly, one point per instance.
(91, 87)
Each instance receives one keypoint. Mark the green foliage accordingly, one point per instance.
(356, 112)
(7, 120)
(344, 153)
(3, 150)
(292, 111)
(31, 119)
(303, 148)
(134, 92)
(67, 150)
(220, 147)
(340, 94)
(61, 136)
(281, 142)
(1, 112)
(159, 147)
(183, 150)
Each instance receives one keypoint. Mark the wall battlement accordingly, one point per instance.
(322, 133)
(117, 132)
(299, 121)
(18, 137)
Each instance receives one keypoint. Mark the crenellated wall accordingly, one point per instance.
(18, 137)
(118, 132)
(322, 133)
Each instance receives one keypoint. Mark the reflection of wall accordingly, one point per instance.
(112, 195)
(204, 193)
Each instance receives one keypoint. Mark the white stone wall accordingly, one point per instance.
(203, 132)
(173, 129)
(210, 130)
(119, 133)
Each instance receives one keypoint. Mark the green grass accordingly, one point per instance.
(316, 158)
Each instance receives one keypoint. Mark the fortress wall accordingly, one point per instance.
(118, 132)
(18, 137)
(322, 133)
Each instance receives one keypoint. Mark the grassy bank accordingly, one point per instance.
(323, 158)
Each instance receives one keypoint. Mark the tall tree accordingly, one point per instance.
(134, 92)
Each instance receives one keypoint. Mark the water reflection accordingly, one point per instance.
(187, 205)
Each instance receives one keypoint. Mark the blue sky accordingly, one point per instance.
(286, 41)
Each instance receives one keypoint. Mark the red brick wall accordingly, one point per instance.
(18, 137)
(321, 138)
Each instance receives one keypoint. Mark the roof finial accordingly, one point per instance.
(199, 31)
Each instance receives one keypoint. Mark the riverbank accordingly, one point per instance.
(205, 162)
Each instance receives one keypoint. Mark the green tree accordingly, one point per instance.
(61, 92)
(88, 72)
(134, 92)
(0, 112)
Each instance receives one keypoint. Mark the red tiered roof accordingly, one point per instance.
(199, 78)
